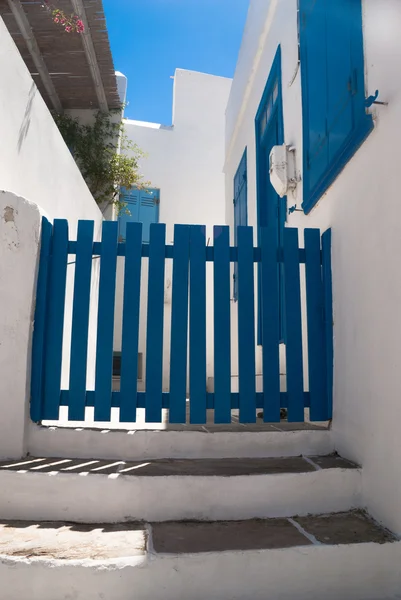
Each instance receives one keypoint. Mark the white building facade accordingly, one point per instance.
(184, 165)
(346, 157)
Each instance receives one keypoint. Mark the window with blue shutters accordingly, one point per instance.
(335, 121)
(142, 206)
(240, 209)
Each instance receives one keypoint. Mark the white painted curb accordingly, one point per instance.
(142, 445)
(355, 572)
(95, 498)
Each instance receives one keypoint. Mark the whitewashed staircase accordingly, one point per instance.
(189, 515)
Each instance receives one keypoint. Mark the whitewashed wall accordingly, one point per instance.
(36, 165)
(185, 161)
(34, 161)
(362, 207)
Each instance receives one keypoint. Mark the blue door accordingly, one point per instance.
(240, 208)
(272, 209)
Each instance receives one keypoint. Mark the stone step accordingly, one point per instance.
(182, 441)
(329, 556)
(96, 490)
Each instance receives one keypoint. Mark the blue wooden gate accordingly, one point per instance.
(189, 254)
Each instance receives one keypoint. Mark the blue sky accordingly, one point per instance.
(151, 38)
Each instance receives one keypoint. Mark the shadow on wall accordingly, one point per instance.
(23, 132)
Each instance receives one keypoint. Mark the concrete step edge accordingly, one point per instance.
(115, 498)
(308, 570)
(138, 445)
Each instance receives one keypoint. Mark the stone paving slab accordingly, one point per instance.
(223, 467)
(345, 528)
(68, 541)
(72, 541)
(193, 537)
(353, 527)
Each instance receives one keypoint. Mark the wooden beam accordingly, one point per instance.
(27, 33)
(79, 9)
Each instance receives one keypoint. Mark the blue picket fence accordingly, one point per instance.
(189, 254)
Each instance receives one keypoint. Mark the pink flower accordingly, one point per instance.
(70, 24)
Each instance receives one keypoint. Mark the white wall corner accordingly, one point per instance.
(20, 228)
(122, 84)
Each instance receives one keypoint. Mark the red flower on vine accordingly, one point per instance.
(71, 23)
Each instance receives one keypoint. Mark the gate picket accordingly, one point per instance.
(130, 325)
(105, 321)
(315, 323)
(197, 322)
(80, 321)
(179, 325)
(55, 320)
(154, 325)
(246, 327)
(270, 327)
(39, 331)
(295, 390)
(328, 318)
(222, 326)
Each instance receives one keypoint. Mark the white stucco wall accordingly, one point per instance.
(122, 84)
(19, 252)
(361, 207)
(36, 165)
(34, 161)
(185, 161)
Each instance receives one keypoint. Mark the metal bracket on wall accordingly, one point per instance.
(294, 209)
(373, 100)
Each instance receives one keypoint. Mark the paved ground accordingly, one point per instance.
(71, 541)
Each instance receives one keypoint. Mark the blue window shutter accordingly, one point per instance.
(358, 62)
(313, 21)
(130, 212)
(341, 78)
(142, 206)
(148, 211)
(335, 121)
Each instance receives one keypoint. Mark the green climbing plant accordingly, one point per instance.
(107, 159)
